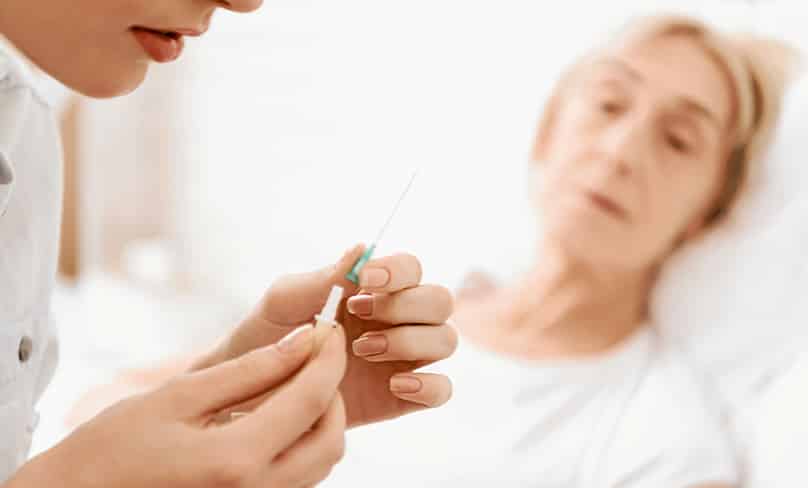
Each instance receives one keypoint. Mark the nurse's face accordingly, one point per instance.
(634, 156)
(102, 48)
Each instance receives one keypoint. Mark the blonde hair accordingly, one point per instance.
(758, 70)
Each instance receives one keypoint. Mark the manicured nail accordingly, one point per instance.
(405, 384)
(370, 345)
(361, 305)
(374, 277)
(296, 339)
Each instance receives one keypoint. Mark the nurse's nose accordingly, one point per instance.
(244, 6)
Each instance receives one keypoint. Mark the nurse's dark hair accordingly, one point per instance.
(756, 68)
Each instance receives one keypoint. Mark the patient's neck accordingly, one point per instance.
(567, 308)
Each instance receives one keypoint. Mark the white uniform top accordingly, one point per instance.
(632, 418)
(30, 212)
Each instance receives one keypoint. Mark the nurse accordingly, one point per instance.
(170, 437)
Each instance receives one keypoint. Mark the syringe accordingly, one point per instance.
(353, 275)
(323, 323)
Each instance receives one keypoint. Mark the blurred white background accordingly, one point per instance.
(283, 137)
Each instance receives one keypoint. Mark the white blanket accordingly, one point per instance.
(634, 417)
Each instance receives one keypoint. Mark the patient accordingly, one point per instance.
(560, 379)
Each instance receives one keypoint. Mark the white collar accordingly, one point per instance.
(15, 68)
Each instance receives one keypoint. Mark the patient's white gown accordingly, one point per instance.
(635, 417)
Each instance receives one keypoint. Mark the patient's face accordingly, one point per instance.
(634, 155)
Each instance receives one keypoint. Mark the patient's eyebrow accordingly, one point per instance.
(628, 70)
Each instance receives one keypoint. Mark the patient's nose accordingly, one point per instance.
(624, 147)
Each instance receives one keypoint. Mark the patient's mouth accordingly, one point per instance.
(607, 205)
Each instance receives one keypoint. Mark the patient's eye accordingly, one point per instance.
(681, 137)
(610, 106)
(677, 143)
(608, 97)
(606, 104)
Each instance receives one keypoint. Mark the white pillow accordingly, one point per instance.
(733, 299)
(780, 177)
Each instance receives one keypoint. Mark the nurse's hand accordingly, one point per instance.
(394, 326)
(170, 438)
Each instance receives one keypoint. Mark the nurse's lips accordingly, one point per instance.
(164, 45)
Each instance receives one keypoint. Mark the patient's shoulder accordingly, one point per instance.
(674, 431)
(673, 390)
(674, 382)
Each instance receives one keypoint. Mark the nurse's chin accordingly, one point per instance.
(111, 83)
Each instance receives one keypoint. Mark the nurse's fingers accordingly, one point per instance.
(226, 415)
(312, 458)
(391, 274)
(295, 298)
(425, 304)
(426, 389)
(231, 382)
(279, 422)
(422, 343)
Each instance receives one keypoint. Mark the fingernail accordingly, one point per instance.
(373, 277)
(370, 345)
(296, 339)
(405, 384)
(361, 305)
